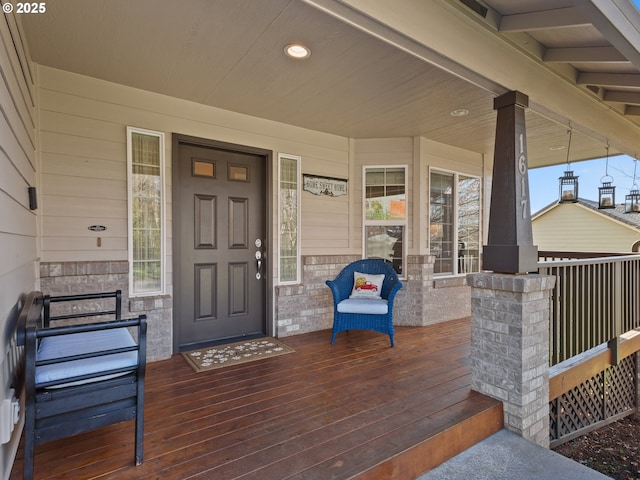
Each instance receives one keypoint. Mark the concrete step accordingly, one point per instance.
(507, 456)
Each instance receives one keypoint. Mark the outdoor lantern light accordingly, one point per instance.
(632, 200)
(607, 192)
(606, 195)
(568, 182)
(568, 187)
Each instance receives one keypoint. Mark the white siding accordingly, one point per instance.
(574, 228)
(83, 143)
(418, 154)
(381, 151)
(451, 159)
(83, 146)
(18, 227)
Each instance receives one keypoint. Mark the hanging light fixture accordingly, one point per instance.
(607, 192)
(568, 182)
(632, 200)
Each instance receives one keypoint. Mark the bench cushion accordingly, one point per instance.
(81, 343)
(369, 306)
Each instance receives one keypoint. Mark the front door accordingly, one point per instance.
(219, 236)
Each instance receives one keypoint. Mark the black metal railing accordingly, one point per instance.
(595, 300)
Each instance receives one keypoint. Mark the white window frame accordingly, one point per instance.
(393, 222)
(163, 230)
(456, 176)
(298, 161)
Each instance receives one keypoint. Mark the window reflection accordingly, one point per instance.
(454, 222)
(385, 243)
(385, 197)
(385, 214)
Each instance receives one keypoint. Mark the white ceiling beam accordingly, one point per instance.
(341, 10)
(464, 40)
(609, 79)
(584, 54)
(630, 98)
(619, 23)
(557, 18)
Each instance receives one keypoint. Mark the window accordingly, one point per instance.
(454, 222)
(289, 218)
(145, 166)
(385, 214)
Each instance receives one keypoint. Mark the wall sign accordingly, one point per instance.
(333, 187)
(97, 228)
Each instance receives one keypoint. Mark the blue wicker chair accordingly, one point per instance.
(364, 314)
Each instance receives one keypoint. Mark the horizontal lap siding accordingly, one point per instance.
(84, 163)
(18, 226)
(84, 179)
(451, 159)
(571, 227)
(383, 151)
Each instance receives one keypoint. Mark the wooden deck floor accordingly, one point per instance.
(358, 409)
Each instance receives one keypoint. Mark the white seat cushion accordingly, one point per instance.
(80, 343)
(370, 306)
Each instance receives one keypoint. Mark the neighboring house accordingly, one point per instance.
(171, 143)
(582, 227)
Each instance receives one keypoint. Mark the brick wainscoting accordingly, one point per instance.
(302, 308)
(67, 278)
(309, 307)
(423, 300)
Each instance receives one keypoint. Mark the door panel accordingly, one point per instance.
(205, 289)
(238, 288)
(219, 216)
(205, 222)
(238, 223)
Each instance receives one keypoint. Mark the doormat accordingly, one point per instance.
(235, 353)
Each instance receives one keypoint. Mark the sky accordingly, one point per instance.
(544, 184)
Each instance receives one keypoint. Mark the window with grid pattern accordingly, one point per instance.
(146, 211)
(385, 214)
(454, 222)
(289, 218)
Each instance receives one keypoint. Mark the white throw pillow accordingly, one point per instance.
(367, 285)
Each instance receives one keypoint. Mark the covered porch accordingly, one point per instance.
(403, 91)
(358, 409)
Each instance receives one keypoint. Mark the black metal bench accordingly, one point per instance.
(83, 376)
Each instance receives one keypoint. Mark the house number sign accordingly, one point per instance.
(522, 170)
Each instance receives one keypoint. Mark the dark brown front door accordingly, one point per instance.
(220, 236)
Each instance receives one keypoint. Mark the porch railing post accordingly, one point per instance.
(637, 360)
(614, 342)
(510, 348)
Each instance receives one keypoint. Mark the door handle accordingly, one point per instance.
(259, 264)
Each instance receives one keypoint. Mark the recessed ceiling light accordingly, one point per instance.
(557, 147)
(459, 112)
(297, 50)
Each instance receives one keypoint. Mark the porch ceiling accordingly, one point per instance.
(229, 54)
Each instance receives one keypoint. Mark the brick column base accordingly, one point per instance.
(510, 348)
